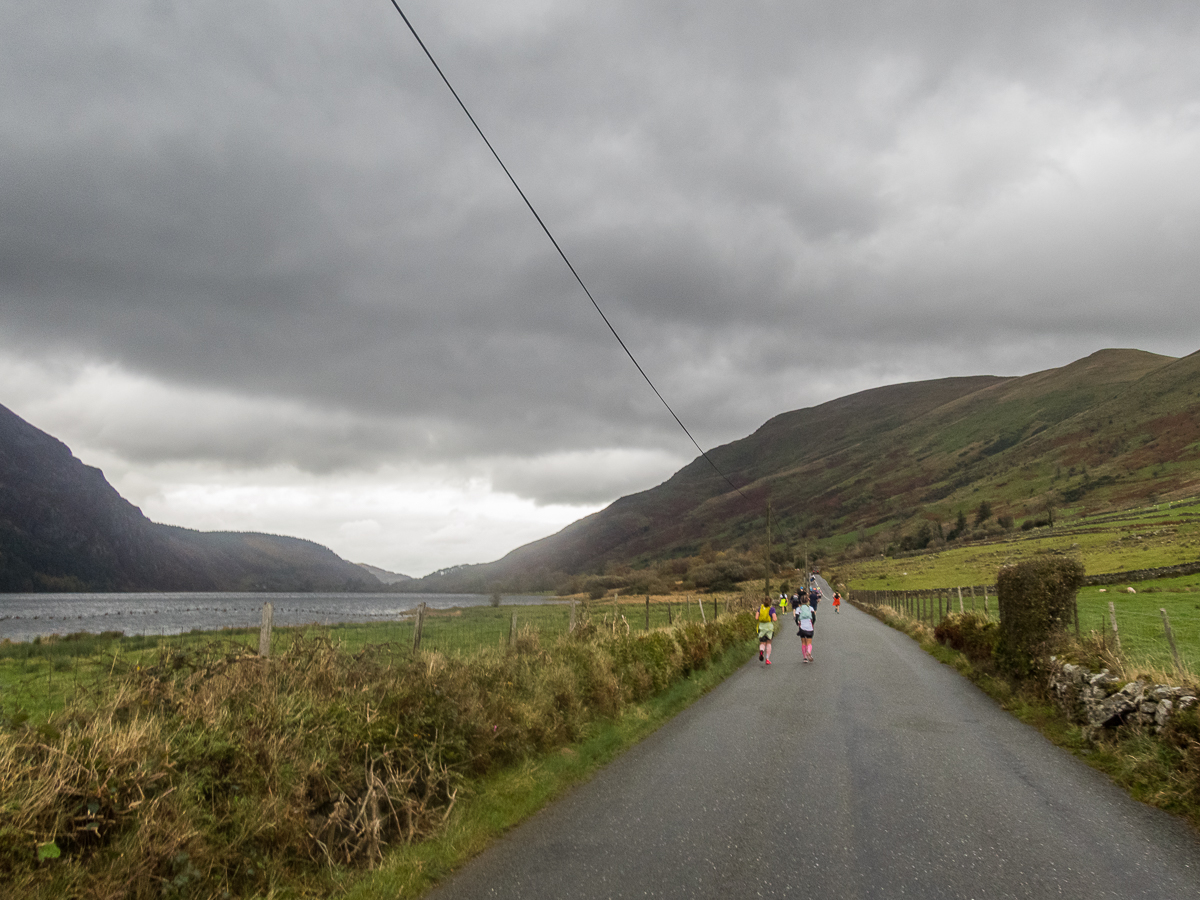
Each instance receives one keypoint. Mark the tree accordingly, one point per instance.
(983, 513)
(1050, 501)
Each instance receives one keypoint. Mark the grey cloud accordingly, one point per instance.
(282, 203)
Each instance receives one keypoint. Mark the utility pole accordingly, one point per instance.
(767, 583)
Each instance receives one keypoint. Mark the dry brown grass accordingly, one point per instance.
(216, 774)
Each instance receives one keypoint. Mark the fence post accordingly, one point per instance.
(961, 608)
(264, 633)
(512, 630)
(1171, 641)
(647, 612)
(419, 627)
(700, 603)
(571, 627)
(714, 607)
(1112, 613)
(985, 609)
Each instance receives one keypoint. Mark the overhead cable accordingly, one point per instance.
(557, 247)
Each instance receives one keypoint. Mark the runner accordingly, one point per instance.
(766, 629)
(805, 626)
(837, 602)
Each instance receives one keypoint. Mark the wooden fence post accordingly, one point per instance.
(961, 608)
(1171, 641)
(571, 627)
(420, 625)
(512, 630)
(985, 608)
(647, 612)
(264, 633)
(1112, 613)
(700, 603)
(714, 607)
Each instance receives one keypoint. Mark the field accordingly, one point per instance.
(1140, 622)
(1138, 539)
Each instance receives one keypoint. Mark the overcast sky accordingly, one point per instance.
(257, 266)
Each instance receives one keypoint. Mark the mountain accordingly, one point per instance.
(1115, 428)
(63, 527)
(384, 575)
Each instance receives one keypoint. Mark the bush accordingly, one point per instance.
(1037, 604)
(215, 773)
(972, 634)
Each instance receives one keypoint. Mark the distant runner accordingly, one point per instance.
(837, 602)
(766, 629)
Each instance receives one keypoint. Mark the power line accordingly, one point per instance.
(628, 353)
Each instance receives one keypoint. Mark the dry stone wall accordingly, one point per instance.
(1143, 574)
(1097, 700)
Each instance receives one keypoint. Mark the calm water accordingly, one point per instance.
(25, 616)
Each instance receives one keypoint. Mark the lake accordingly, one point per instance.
(26, 616)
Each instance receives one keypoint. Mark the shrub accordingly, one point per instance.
(972, 634)
(216, 773)
(1037, 604)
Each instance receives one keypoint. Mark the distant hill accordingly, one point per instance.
(1115, 428)
(384, 575)
(63, 527)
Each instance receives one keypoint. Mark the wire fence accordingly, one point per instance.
(1144, 634)
(1160, 631)
(40, 677)
(931, 606)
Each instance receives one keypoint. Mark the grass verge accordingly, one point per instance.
(208, 773)
(501, 801)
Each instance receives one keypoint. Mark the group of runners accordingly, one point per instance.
(804, 603)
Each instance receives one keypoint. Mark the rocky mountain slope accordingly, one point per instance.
(63, 527)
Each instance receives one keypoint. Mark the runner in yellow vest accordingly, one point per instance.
(766, 629)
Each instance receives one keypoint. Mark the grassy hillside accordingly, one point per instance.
(1115, 429)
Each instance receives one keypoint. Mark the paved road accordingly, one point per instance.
(874, 772)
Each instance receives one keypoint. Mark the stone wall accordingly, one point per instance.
(1144, 574)
(1096, 699)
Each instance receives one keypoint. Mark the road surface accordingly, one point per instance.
(874, 772)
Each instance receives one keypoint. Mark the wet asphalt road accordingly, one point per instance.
(874, 772)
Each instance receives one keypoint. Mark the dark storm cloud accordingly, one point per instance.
(280, 202)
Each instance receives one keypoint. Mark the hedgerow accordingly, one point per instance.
(222, 775)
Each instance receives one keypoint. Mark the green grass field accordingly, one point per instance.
(1139, 539)
(1140, 622)
(1111, 543)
